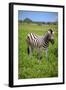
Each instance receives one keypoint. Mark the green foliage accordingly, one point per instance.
(30, 66)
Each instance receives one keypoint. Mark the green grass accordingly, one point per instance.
(30, 66)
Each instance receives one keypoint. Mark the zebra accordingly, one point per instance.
(40, 42)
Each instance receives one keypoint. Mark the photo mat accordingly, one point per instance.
(29, 70)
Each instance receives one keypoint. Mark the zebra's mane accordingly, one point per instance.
(45, 37)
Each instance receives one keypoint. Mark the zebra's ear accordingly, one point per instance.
(53, 32)
(49, 32)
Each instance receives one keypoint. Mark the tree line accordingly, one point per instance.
(27, 20)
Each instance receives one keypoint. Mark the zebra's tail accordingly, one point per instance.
(28, 51)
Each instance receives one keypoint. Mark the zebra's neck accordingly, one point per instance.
(46, 40)
(46, 37)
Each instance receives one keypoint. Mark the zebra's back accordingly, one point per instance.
(32, 39)
(35, 40)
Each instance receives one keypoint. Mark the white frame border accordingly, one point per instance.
(60, 45)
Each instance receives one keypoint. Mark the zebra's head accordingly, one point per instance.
(51, 36)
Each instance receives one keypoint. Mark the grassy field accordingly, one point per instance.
(30, 66)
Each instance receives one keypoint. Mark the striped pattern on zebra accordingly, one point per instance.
(40, 42)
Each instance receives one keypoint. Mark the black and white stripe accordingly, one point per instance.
(35, 41)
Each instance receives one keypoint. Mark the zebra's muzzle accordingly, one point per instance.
(52, 41)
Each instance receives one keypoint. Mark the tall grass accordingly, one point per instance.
(30, 66)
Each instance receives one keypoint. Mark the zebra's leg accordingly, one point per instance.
(30, 50)
(46, 53)
(39, 53)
